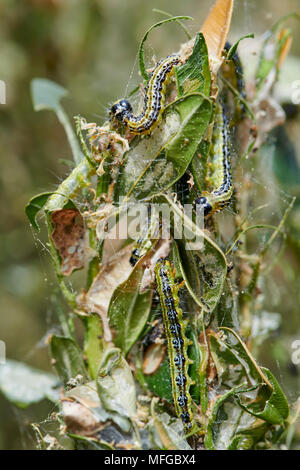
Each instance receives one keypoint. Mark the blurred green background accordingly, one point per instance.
(90, 48)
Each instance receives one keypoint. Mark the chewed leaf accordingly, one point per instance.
(194, 75)
(243, 355)
(247, 435)
(78, 418)
(155, 164)
(169, 432)
(215, 30)
(46, 94)
(276, 408)
(270, 403)
(128, 310)
(68, 238)
(111, 275)
(23, 385)
(87, 397)
(214, 419)
(116, 388)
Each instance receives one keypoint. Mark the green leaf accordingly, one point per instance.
(276, 407)
(248, 435)
(233, 48)
(160, 382)
(34, 206)
(48, 95)
(23, 385)
(155, 164)
(116, 388)
(141, 48)
(196, 355)
(194, 75)
(165, 13)
(199, 164)
(37, 203)
(270, 403)
(93, 343)
(238, 348)
(68, 358)
(129, 310)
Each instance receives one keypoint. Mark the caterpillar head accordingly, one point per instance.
(202, 204)
(120, 109)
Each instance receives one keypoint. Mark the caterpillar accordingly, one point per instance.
(213, 201)
(148, 237)
(154, 99)
(239, 74)
(177, 343)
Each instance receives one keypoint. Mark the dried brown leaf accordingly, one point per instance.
(153, 358)
(111, 275)
(79, 419)
(215, 30)
(68, 238)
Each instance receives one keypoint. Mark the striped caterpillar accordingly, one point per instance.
(220, 178)
(177, 342)
(147, 238)
(239, 74)
(154, 99)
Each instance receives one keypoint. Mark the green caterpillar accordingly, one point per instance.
(220, 178)
(153, 102)
(177, 342)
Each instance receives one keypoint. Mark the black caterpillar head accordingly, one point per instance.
(120, 109)
(203, 205)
